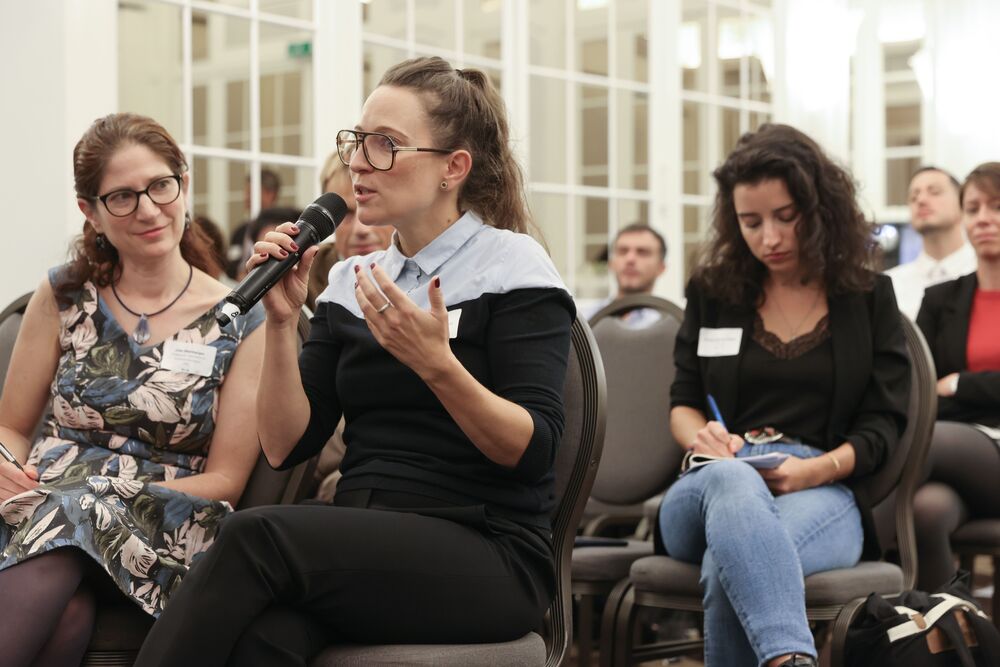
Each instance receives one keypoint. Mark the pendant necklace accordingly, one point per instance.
(141, 332)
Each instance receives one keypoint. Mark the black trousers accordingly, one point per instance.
(282, 582)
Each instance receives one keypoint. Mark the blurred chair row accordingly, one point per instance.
(121, 627)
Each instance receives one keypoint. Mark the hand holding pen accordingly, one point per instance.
(715, 438)
(14, 478)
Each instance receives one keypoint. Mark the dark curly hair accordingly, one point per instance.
(96, 147)
(835, 240)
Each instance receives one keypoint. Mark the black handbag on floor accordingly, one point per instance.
(917, 629)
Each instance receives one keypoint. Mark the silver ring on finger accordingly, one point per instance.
(384, 307)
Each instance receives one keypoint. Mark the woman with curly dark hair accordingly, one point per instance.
(792, 340)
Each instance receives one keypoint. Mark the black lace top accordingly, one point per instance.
(786, 385)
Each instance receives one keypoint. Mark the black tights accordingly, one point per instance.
(963, 469)
(48, 614)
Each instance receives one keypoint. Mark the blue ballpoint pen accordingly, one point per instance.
(715, 411)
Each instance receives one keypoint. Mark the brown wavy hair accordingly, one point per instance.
(105, 137)
(467, 112)
(836, 243)
(985, 177)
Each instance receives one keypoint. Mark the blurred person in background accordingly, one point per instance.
(936, 215)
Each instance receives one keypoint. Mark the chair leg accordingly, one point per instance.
(617, 626)
(585, 629)
(847, 615)
(996, 591)
(968, 563)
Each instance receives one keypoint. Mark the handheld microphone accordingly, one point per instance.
(316, 223)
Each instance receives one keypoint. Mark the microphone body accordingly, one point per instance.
(317, 222)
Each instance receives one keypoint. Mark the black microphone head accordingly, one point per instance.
(325, 214)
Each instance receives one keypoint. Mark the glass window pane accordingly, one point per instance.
(729, 131)
(299, 9)
(757, 119)
(551, 216)
(760, 87)
(696, 225)
(633, 140)
(299, 185)
(377, 60)
(548, 37)
(384, 17)
(592, 37)
(435, 24)
(591, 246)
(219, 188)
(593, 151)
(897, 179)
(286, 118)
(482, 27)
(243, 4)
(149, 63)
(633, 48)
(730, 48)
(902, 114)
(692, 45)
(631, 211)
(223, 75)
(697, 176)
(547, 130)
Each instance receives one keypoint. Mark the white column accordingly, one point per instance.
(338, 70)
(60, 73)
(666, 143)
(868, 142)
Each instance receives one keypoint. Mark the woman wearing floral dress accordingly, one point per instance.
(143, 447)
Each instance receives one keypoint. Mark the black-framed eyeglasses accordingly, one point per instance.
(162, 191)
(379, 149)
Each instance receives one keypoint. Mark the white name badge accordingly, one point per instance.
(719, 342)
(453, 318)
(188, 358)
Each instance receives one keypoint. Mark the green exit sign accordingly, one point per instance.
(300, 49)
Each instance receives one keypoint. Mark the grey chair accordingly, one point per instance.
(575, 467)
(10, 324)
(640, 455)
(833, 596)
(120, 626)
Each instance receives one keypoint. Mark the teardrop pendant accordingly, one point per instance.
(141, 332)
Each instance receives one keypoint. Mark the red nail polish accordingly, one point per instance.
(437, 282)
(372, 266)
(357, 269)
(263, 254)
(283, 253)
(294, 247)
(355, 284)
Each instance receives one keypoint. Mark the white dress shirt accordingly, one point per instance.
(911, 279)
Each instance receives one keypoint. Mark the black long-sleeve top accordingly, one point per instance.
(513, 326)
(871, 382)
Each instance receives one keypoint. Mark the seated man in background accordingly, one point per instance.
(638, 257)
(351, 238)
(935, 214)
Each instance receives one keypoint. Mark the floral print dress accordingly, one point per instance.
(118, 424)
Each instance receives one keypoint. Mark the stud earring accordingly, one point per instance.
(101, 242)
(444, 185)
(187, 220)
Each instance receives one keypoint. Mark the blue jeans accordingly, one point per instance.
(755, 550)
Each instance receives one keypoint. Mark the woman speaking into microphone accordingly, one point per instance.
(446, 354)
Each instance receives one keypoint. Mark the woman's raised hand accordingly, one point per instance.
(715, 440)
(283, 301)
(13, 481)
(416, 337)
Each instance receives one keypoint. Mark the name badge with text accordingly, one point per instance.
(188, 358)
(453, 318)
(719, 342)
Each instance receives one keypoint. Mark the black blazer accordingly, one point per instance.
(871, 383)
(944, 320)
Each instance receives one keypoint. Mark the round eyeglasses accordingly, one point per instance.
(379, 149)
(162, 191)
